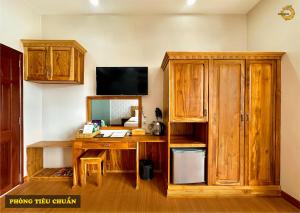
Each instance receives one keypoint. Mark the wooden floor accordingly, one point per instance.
(117, 194)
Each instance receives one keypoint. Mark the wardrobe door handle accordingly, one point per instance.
(246, 117)
(242, 117)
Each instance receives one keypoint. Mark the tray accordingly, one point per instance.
(89, 135)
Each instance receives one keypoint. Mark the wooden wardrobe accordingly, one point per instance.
(229, 104)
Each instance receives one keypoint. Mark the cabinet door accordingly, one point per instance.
(62, 63)
(189, 93)
(36, 63)
(226, 122)
(260, 125)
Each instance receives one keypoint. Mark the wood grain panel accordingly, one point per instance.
(34, 160)
(54, 61)
(35, 62)
(226, 154)
(6, 162)
(260, 108)
(189, 90)
(80, 71)
(121, 160)
(11, 135)
(182, 129)
(196, 131)
(124, 160)
(166, 97)
(277, 122)
(154, 152)
(62, 63)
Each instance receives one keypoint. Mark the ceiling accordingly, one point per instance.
(55, 7)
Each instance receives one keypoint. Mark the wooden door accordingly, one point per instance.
(189, 94)
(260, 125)
(11, 145)
(62, 63)
(36, 63)
(226, 122)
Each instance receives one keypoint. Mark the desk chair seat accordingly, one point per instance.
(93, 157)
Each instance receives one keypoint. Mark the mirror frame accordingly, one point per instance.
(89, 105)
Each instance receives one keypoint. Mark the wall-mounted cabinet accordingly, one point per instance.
(240, 91)
(53, 61)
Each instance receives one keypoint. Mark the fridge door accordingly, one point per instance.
(188, 166)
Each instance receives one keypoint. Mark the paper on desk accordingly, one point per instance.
(88, 128)
(113, 133)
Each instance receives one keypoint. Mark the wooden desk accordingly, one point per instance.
(128, 143)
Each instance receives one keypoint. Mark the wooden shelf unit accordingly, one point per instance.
(49, 174)
(186, 142)
(35, 159)
(192, 135)
(185, 135)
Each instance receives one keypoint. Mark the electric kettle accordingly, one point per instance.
(156, 127)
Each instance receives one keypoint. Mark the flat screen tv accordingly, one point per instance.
(122, 80)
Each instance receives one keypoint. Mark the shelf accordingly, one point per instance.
(186, 142)
(51, 173)
(43, 144)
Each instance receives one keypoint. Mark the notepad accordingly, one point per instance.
(114, 133)
(118, 135)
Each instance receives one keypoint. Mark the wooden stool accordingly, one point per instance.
(93, 157)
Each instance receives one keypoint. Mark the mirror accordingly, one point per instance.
(115, 111)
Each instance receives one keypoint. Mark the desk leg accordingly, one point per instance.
(137, 185)
(76, 154)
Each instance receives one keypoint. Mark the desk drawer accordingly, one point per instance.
(104, 145)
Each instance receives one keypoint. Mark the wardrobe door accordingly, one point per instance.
(260, 125)
(226, 122)
(189, 90)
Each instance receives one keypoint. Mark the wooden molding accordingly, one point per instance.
(290, 199)
(221, 191)
(56, 43)
(42, 144)
(219, 55)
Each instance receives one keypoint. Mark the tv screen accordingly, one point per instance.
(122, 80)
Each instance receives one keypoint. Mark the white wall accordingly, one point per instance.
(268, 31)
(116, 40)
(129, 41)
(17, 21)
